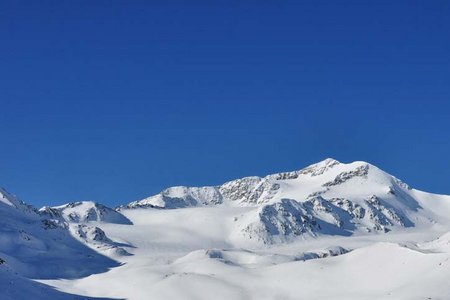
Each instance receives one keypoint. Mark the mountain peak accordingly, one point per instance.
(329, 160)
(320, 167)
(85, 211)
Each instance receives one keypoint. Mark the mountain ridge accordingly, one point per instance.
(328, 197)
(322, 212)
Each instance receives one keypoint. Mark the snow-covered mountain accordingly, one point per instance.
(331, 224)
(13, 204)
(84, 211)
(82, 220)
(325, 198)
(38, 247)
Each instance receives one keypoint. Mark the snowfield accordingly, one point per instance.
(328, 231)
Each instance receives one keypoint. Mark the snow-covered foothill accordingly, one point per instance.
(84, 211)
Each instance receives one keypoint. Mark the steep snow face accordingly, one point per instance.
(8, 200)
(37, 247)
(84, 211)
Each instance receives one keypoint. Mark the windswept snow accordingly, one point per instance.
(328, 231)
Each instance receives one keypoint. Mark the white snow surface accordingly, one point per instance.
(328, 231)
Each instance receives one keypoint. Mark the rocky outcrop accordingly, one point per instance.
(83, 211)
(360, 171)
(288, 218)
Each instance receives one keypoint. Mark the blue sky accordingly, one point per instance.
(115, 100)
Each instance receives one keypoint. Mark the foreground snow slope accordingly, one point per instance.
(14, 286)
(328, 231)
(183, 254)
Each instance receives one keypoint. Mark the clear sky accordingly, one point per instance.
(113, 101)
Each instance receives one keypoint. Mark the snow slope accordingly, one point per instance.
(184, 254)
(328, 231)
(13, 286)
(38, 247)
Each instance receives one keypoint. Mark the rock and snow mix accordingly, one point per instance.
(328, 231)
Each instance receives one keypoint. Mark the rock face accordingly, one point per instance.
(249, 190)
(91, 233)
(288, 218)
(77, 216)
(96, 238)
(360, 171)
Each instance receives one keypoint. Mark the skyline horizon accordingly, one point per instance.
(118, 204)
